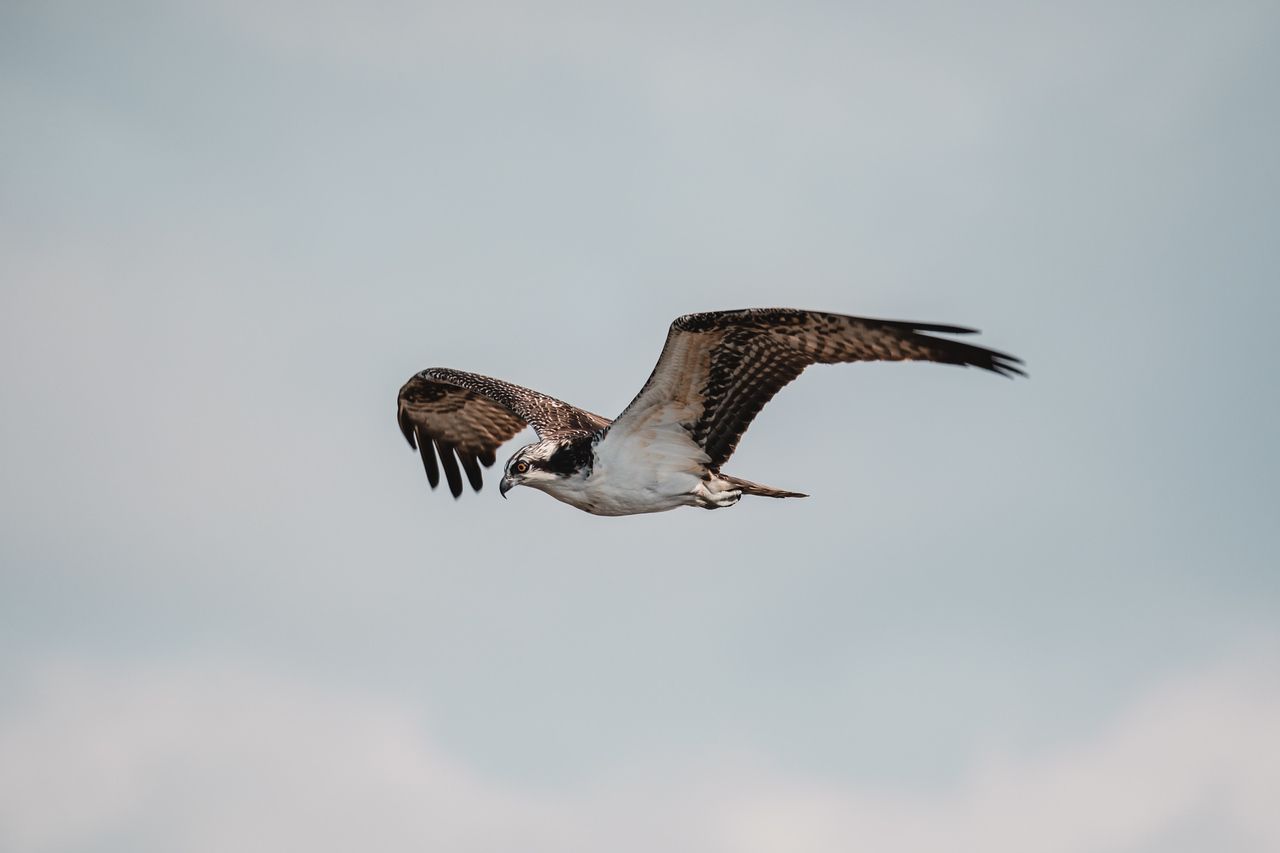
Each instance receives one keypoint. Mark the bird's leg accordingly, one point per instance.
(728, 498)
(716, 494)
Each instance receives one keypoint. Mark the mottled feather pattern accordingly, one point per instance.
(736, 361)
(462, 418)
(716, 372)
(745, 372)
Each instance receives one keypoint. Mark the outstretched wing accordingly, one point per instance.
(718, 369)
(464, 417)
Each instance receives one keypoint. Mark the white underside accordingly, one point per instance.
(647, 470)
(612, 496)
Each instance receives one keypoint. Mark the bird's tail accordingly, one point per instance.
(750, 488)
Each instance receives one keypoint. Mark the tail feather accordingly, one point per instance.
(750, 488)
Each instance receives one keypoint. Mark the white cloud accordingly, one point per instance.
(215, 759)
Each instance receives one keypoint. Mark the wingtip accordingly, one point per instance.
(406, 426)
(428, 454)
(1009, 367)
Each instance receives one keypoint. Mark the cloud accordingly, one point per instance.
(217, 758)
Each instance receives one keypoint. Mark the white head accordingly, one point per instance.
(544, 464)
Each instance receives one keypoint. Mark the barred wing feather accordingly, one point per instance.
(462, 418)
(717, 370)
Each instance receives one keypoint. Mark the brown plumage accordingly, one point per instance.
(464, 418)
(730, 363)
(716, 372)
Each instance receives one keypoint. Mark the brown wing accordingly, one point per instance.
(464, 417)
(718, 369)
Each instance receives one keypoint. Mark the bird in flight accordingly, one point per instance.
(716, 371)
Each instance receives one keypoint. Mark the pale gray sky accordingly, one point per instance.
(1014, 615)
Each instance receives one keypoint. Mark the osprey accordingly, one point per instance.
(716, 371)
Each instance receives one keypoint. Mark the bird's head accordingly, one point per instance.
(541, 464)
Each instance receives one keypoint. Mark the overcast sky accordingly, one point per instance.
(1014, 615)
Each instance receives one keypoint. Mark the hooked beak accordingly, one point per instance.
(506, 485)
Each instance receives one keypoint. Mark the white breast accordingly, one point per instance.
(650, 468)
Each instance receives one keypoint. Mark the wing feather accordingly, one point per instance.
(449, 462)
(460, 419)
(471, 465)
(718, 369)
(426, 448)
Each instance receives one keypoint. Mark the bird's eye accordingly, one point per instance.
(522, 467)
